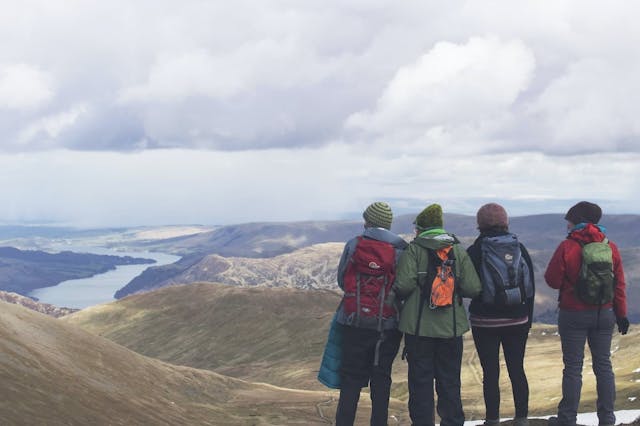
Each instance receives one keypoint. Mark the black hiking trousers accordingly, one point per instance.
(513, 340)
(357, 371)
(434, 360)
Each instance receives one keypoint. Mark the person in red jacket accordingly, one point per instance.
(579, 321)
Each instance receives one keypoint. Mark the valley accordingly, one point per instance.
(232, 333)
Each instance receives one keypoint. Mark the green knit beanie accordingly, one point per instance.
(378, 215)
(430, 217)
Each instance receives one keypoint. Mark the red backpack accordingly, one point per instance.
(368, 279)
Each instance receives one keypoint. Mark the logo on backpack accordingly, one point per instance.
(595, 282)
(504, 273)
(443, 284)
(367, 281)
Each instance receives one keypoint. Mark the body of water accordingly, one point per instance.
(84, 292)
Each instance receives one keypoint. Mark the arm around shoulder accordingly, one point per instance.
(470, 285)
(406, 272)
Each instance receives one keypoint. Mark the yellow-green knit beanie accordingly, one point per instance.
(378, 215)
(430, 217)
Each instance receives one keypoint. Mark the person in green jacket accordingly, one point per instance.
(433, 330)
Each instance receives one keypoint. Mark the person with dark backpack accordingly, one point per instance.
(502, 314)
(368, 316)
(434, 274)
(587, 270)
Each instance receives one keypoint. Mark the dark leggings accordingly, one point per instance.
(513, 340)
(358, 371)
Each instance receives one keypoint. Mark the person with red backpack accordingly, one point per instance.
(368, 316)
(587, 270)
(434, 274)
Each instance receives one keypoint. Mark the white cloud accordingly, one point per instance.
(49, 128)
(24, 87)
(511, 98)
(592, 106)
(492, 76)
(453, 100)
(452, 85)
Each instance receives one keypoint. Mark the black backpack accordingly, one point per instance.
(505, 276)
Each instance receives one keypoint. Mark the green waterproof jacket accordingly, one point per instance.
(441, 322)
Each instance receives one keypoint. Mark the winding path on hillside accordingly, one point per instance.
(477, 376)
(321, 412)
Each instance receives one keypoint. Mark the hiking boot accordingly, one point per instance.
(554, 421)
(521, 421)
(491, 422)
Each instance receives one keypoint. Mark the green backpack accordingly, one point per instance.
(595, 282)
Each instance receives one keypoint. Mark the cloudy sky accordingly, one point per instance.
(216, 112)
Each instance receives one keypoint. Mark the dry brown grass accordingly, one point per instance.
(52, 373)
(276, 336)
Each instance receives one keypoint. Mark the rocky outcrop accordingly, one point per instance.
(43, 308)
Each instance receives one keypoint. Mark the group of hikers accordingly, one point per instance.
(394, 288)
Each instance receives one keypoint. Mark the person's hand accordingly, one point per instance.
(623, 325)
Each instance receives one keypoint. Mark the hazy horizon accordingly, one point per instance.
(347, 216)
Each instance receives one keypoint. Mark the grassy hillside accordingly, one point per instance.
(276, 336)
(54, 373)
(271, 336)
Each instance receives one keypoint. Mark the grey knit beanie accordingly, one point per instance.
(378, 215)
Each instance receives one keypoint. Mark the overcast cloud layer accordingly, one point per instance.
(216, 112)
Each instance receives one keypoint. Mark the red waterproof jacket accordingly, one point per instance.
(564, 268)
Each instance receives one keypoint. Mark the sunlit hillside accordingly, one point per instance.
(53, 373)
(276, 336)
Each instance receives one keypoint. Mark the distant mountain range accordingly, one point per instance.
(22, 271)
(302, 254)
(268, 239)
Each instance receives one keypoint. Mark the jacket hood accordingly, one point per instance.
(385, 235)
(588, 234)
(435, 239)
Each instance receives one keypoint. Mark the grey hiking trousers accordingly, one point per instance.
(576, 327)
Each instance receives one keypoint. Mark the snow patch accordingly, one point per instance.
(586, 419)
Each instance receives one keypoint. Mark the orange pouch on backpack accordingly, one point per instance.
(443, 285)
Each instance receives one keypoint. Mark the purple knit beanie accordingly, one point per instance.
(492, 215)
